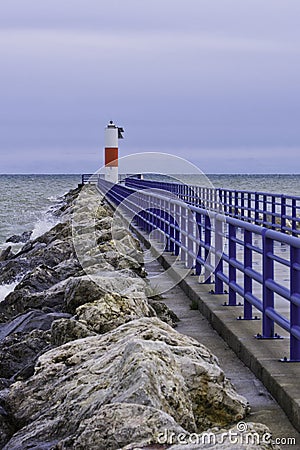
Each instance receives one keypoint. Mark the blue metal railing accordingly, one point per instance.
(276, 211)
(92, 178)
(88, 178)
(242, 256)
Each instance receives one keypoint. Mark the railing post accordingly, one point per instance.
(198, 200)
(236, 203)
(283, 214)
(218, 249)
(273, 212)
(160, 220)
(166, 224)
(256, 207)
(139, 213)
(230, 201)
(153, 215)
(265, 215)
(190, 242)
(247, 278)
(295, 308)
(171, 226)
(294, 217)
(232, 269)
(223, 199)
(198, 267)
(249, 206)
(268, 294)
(210, 196)
(177, 230)
(148, 214)
(184, 230)
(207, 252)
(243, 205)
(143, 212)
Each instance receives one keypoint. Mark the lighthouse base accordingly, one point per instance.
(112, 174)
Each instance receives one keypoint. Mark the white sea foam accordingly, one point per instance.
(5, 289)
(53, 198)
(24, 198)
(42, 226)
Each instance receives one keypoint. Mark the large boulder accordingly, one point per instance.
(66, 330)
(65, 203)
(13, 269)
(39, 279)
(6, 254)
(112, 310)
(16, 238)
(52, 254)
(21, 300)
(60, 231)
(68, 268)
(83, 289)
(6, 427)
(19, 352)
(164, 312)
(120, 261)
(130, 422)
(31, 320)
(144, 363)
(50, 245)
(104, 224)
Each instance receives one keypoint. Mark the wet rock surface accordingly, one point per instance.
(16, 238)
(95, 363)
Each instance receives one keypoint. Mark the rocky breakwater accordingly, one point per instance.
(94, 362)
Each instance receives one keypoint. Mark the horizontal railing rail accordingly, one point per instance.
(241, 256)
(92, 178)
(276, 211)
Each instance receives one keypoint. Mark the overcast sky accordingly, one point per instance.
(212, 81)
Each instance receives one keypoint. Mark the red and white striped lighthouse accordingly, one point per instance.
(112, 134)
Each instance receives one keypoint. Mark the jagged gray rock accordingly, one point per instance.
(112, 310)
(66, 330)
(163, 312)
(16, 238)
(21, 300)
(19, 352)
(144, 363)
(12, 269)
(6, 428)
(39, 279)
(130, 422)
(81, 290)
(6, 254)
(30, 321)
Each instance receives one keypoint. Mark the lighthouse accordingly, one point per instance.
(111, 151)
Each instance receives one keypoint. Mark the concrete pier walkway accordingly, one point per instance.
(264, 408)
